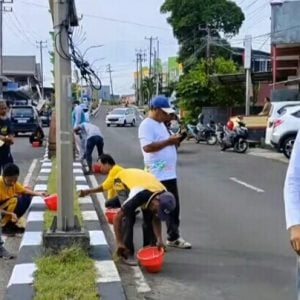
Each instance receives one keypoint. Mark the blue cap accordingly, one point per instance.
(167, 204)
(162, 102)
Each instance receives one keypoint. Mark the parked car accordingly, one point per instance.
(24, 118)
(45, 118)
(275, 112)
(285, 129)
(121, 116)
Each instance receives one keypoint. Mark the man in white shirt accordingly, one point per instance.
(160, 157)
(92, 137)
(78, 118)
(292, 197)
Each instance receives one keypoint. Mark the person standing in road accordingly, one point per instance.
(160, 158)
(78, 118)
(91, 137)
(6, 137)
(292, 197)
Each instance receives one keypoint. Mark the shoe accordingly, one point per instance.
(12, 229)
(5, 254)
(179, 243)
(87, 173)
(130, 261)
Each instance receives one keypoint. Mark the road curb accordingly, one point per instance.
(108, 281)
(94, 113)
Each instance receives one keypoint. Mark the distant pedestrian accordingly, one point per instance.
(78, 117)
(267, 107)
(14, 199)
(160, 158)
(292, 197)
(37, 136)
(91, 137)
(6, 137)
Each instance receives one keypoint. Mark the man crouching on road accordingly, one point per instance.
(146, 192)
(14, 199)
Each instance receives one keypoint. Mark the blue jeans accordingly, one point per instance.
(4, 160)
(90, 145)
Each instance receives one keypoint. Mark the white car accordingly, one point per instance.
(285, 129)
(121, 116)
(275, 112)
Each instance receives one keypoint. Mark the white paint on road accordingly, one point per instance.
(22, 274)
(30, 171)
(32, 238)
(106, 271)
(97, 238)
(89, 215)
(140, 281)
(247, 185)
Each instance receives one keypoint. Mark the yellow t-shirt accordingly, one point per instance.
(7, 192)
(108, 183)
(137, 179)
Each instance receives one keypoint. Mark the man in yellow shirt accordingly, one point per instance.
(143, 191)
(111, 169)
(14, 199)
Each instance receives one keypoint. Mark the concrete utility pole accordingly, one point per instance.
(64, 131)
(109, 70)
(41, 46)
(137, 96)
(151, 39)
(157, 67)
(247, 66)
(2, 9)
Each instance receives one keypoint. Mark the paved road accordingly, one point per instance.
(232, 213)
(23, 155)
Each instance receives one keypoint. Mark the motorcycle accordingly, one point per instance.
(202, 132)
(233, 138)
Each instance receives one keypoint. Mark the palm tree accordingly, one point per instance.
(148, 87)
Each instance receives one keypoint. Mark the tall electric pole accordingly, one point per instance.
(137, 81)
(64, 131)
(157, 67)
(151, 39)
(2, 9)
(41, 46)
(247, 66)
(109, 70)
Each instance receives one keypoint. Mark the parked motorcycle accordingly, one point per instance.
(201, 132)
(236, 138)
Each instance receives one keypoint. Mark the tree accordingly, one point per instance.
(149, 87)
(191, 20)
(195, 89)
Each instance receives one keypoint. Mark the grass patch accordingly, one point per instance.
(68, 275)
(52, 188)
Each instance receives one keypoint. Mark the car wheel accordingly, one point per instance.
(133, 123)
(108, 125)
(125, 123)
(16, 133)
(287, 146)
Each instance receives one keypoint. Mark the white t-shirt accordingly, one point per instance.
(90, 130)
(162, 164)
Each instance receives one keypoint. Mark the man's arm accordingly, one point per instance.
(87, 192)
(157, 146)
(33, 193)
(292, 197)
(156, 223)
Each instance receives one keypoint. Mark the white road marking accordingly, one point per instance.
(30, 171)
(247, 185)
(106, 271)
(89, 215)
(140, 281)
(97, 238)
(22, 274)
(31, 238)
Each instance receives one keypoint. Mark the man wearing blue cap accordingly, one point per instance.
(160, 157)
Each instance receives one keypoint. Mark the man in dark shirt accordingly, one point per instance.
(6, 137)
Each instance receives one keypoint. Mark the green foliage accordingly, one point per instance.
(196, 89)
(190, 20)
(149, 87)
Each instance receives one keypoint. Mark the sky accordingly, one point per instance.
(120, 26)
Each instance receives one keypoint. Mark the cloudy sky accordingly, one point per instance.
(121, 27)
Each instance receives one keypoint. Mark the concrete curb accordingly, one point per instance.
(108, 281)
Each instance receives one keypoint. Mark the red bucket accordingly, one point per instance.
(51, 202)
(96, 168)
(36, 144)
(110, 214)
(151, 258)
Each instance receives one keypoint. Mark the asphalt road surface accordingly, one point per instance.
(24, 155)
(231, 211)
